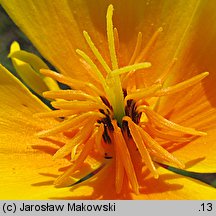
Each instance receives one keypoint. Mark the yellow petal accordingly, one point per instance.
(53, 29)
(166, 49)
(171, 186)
(168, 186)
(21, 163)
(13, 93)
(28, 75)
(32, 65)
(27, 176)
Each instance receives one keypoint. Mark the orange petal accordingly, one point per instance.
(171, 186)
(198, 56)
(28, 175)
(177, 25)
(56, 29)
(199, 155)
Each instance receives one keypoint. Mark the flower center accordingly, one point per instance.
(112, 85)
(112, 123)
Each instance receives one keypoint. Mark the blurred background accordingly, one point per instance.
(9, 32)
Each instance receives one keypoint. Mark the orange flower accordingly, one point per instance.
(137, 98)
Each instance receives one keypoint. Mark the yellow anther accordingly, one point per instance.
(129, 68)
(110, 37)
(162, 122)
(143, 93)
(96, 52)
(183, 85)
(124, 156)
(94, 68)
(141, 146)
(149, 45)
(137, 48)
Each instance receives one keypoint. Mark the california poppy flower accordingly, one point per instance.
(141, 95)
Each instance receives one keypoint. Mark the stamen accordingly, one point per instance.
(124, 156)
(183, 85)
(166, 134)
(133, 67)
(163, 76)
(96, 52)
(79, 162)
(119, 178)
(110, 37)
(188, 113)
(162, 122)
(137, 48)
(106, 136)
(142, 102)
(149, 45)
(129, 107)
(73, 83)
(161, 152)
(183, 104)
(70, 95)
(79, 106)
(98, 140)
(106, 102)
(141, 146)
(81, 137)
(109, 112)
(112, 85)
(143, 93)
(71, 123)
(55, 113)
(94, 68)
(116, 39)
